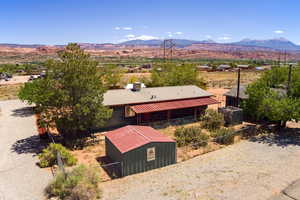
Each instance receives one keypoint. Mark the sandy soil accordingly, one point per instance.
(249, 170)
(15, 80)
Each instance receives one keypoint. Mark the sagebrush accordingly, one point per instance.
(191, 136)
(224, 136)
(79, 184)
(48, 157)
(212, 120)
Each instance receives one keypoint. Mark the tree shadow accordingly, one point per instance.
(31, 145)
(282, 138)
(23, 112)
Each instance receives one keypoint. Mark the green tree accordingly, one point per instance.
(71, 95)
(112, 75)
(172, 74)
(269, 98)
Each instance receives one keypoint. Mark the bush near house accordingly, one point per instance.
(191, 136)
(48, 156)
(224, 136)
(212, 120)
(79, 184)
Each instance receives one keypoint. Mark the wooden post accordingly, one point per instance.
(238, 89)
(168, 115)
(195, 113)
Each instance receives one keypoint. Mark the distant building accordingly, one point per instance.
(203, 68)
(243, 66)
(231, 96)
(145, 105)
(223, 67)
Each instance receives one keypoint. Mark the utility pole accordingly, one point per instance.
(168, 48)
(289, 80)
(238, 89)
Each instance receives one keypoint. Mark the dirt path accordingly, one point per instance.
(20, 177)
(248, 170)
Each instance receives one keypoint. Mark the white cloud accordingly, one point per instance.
(130, 36)
(141, 37)
(127, 28)
(171, 34)
(279, 31)
(208, 36)
(146, 37)
(123, 28)
(224, 38)
(178, 33)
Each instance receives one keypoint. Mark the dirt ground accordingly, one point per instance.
(249, 170)
(15, 80)
(213, 79)
(8, 92)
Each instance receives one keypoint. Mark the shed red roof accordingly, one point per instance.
(171, 105)
(130, 137)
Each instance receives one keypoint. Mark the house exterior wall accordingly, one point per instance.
(118, 118)
(232, 101)
(135, 161)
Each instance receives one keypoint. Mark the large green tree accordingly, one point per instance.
(270, 98)
(170, 74)
(70, 96)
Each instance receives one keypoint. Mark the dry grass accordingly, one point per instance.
(228, 79)
(214, 79)
(8, 92)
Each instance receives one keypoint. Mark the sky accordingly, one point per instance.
(100, 21)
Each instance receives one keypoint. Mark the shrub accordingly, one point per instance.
(190, 136)
(212, 120)
(79, 184)
(224, 136)
(48, 156)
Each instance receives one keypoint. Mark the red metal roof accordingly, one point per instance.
(171, 105)
(130, 137)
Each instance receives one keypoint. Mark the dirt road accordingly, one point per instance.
(20, 177)
(249, 170)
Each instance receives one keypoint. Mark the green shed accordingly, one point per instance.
(139, 148)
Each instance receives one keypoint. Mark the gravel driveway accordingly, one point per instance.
(249, 170)
(20, 177)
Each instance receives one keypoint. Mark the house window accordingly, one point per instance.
(129, 112)
(150, 154)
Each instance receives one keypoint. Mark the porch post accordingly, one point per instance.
(168, 115)
(195, 113)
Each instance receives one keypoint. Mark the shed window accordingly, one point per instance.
(129, 112)
(151, 154)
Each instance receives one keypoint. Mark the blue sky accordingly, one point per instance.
(99, 21)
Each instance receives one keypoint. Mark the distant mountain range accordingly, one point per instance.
(271, 44)
(277, 43)
(179, 42)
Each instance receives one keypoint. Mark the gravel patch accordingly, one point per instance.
(20, 177)
(248, 170)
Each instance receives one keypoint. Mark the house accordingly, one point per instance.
(203, 68)
(223, 67)
(145, 105)
(243, 66)
(231, 96)
(135, 149)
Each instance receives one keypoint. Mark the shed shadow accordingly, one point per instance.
(23, 112)
(31, 145)
(282, 138)
(110, 167)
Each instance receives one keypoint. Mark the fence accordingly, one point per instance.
(59, 160)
